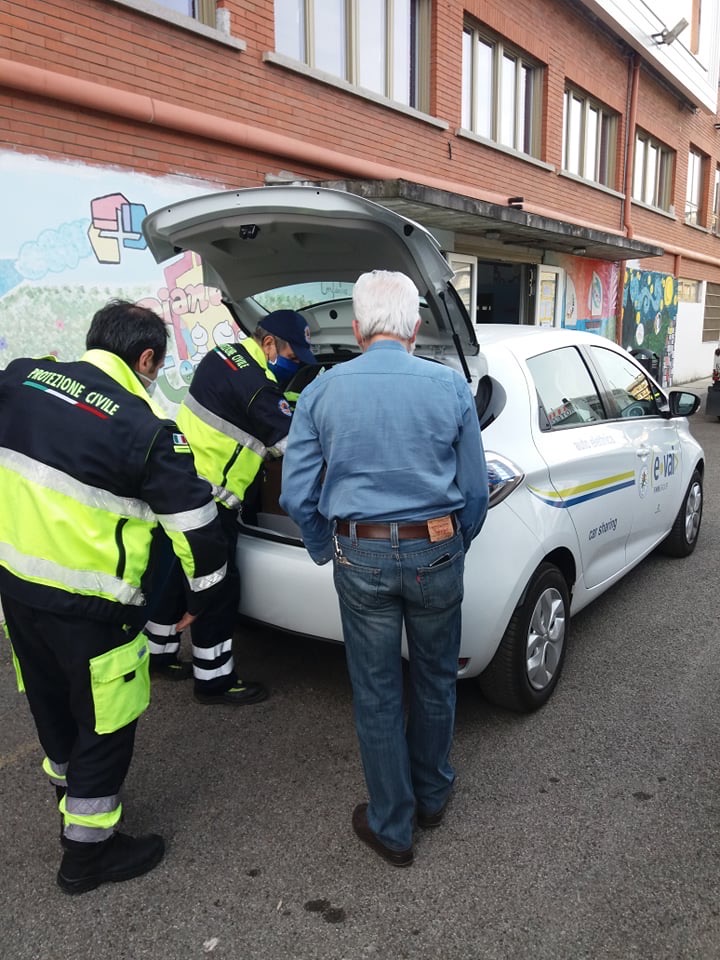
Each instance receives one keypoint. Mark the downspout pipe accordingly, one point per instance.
(630, 141)
(634, 84)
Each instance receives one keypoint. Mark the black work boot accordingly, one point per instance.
(86, 865)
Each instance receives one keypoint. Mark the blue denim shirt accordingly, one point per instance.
(386, 436)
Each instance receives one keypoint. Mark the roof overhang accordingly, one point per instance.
(497, 225)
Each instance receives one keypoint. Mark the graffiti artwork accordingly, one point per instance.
(66, 252)
(590, 294)
(649, 317)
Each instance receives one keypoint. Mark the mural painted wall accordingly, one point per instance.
(591, 294)
(71, 241)
(649, 317)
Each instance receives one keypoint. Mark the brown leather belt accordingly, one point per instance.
(381, 531)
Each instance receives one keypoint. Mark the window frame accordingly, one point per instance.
(605, 149)
(662, 174)
(527, 117)
(215, 26)
(419, 54)
(711, 313)
(715, 215)
(694, 191)
(204, 11)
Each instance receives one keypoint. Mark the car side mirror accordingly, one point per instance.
(682, 403)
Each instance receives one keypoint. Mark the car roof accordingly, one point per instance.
(526, 341)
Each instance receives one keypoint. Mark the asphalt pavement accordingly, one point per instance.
(590, 829)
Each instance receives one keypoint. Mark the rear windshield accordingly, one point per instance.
(302, 296)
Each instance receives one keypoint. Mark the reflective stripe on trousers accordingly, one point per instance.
(221, 657)
(90, 819)
(57, 772)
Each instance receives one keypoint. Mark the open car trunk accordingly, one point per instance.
(303, 248)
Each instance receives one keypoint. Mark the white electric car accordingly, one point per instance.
(591, 465)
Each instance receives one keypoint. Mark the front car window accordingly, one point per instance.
(565, 389)
(379, 45)
(634, 394)
(501, 92)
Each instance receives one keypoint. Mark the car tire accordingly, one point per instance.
(683, 537)
(527, 664)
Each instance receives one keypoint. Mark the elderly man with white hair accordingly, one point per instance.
(385, 475)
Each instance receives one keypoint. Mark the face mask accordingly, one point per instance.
(149, 384)
(284, 368)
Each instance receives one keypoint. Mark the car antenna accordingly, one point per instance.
(456, 339)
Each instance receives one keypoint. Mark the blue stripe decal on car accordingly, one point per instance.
(572, 501)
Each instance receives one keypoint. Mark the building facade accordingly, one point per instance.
(566, 154)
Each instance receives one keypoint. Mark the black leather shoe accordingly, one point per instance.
(85, 866)
(177, 670)
(242, 693)
(428, 821)
(398, 858)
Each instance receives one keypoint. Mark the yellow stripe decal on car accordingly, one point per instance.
(571, 496)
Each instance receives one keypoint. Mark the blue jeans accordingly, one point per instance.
(382, 584)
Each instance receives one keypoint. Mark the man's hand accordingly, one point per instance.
(185, 621)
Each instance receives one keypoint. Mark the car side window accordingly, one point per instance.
(565, 388)
(630, 389)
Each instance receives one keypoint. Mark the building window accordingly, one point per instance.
(501, 92)
(715, 219)
(711, 317)
(589, 139)
(693, 196)
(653, 171)
(380, 45)
(201, 10)
(688, 291)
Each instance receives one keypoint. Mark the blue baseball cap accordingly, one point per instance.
(293, 327)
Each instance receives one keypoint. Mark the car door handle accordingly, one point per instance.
(643, 452)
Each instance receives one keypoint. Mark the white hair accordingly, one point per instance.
(386, 302)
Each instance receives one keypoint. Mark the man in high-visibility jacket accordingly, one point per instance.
(88, 469)
(235, 416)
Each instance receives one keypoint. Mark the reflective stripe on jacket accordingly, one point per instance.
(233, 416)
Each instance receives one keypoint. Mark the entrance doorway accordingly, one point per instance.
(499, 292)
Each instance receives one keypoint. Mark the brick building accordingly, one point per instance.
(566, 154)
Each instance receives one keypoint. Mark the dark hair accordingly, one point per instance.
(261, 333)
(126, 329)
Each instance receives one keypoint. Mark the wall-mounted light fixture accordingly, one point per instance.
(579, 251)
(516, 202)
(492, 234)
(717, 126)
(670, 36)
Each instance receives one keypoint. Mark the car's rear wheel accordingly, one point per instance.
(526, 667)
(683, 537)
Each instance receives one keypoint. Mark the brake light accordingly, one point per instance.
(503, 477)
